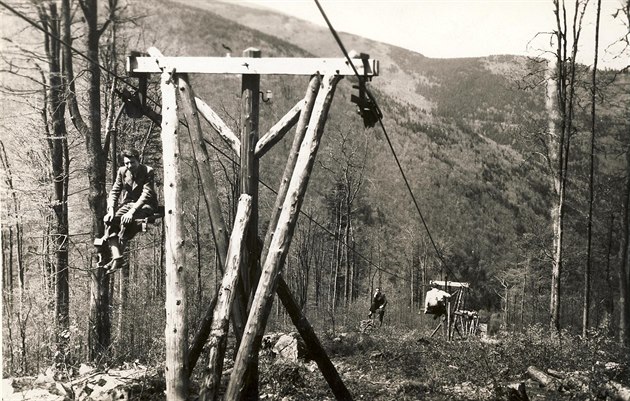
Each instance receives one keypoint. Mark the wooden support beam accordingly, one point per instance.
(250, 107)
(176, 331)
(219, 126)
(281, 241)
(260, 66)
(284, 293)
(206, 174)
(436, 329)
(306, 106)
(202, 334)
(278, 131)
(213, 205)
(316, 350)
(454, 284)
(227, 293)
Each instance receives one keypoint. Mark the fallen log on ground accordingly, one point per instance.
(540, 376)
(578, 381)
(617, 391)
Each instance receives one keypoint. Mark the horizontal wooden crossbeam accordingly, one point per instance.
(246, 65)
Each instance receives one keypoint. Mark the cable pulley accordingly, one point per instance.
(366, 104)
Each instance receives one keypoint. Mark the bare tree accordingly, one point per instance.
(90, 129)
(587, 270)
(561, 95)
(57, 139)
(624, 270)
(348, 171)
(624, 275)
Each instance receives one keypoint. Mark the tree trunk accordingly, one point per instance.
(337, 260)
(99, 337)
(589, 227)
(556, 212)
(609, 302)
(346, 253)
(560, 103)
(624, 268)
(60, 162)
(123, 295)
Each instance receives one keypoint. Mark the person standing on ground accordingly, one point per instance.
(379, 301)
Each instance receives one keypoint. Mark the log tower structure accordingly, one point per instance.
(251, 271)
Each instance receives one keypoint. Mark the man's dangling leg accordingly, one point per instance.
(114, 239)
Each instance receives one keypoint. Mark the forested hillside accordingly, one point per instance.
(466, 132)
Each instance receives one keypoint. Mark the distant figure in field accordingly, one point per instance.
(379, 301)
(132, 197)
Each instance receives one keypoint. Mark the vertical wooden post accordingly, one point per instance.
(281, 241)
(250, 105)
(176, 331)
(449, 319)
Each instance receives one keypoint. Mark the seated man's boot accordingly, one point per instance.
(115, 265)
(116, 248)
(104, 256)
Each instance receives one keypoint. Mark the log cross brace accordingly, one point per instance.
(310, 115)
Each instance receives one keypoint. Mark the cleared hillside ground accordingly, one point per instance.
(389, 364)
(393, 364)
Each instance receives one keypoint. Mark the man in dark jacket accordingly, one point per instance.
(378, 305)
(132, 197)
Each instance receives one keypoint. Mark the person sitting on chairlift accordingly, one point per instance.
(132, 197)
(435, 302)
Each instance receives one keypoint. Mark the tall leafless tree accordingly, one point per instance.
(624, 270)
(90, 129)
(561, 94)
(589, 234)
(57, 140)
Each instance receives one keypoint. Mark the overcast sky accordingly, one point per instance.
(459, 28)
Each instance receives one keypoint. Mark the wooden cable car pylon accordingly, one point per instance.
(242, 255)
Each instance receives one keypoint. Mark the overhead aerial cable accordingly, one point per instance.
(379, 117)
(366, 105)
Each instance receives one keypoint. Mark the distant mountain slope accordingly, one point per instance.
(462, 129)
(455, 86)
(445, 117)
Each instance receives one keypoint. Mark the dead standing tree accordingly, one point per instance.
(293, 188)
(561, 86)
